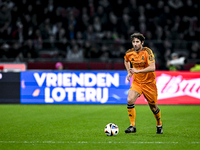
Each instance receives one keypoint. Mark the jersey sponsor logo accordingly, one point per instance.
(139, 65)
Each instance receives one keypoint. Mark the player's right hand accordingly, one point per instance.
(128, 76)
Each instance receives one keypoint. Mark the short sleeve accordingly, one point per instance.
(126, 58)
(150, 58)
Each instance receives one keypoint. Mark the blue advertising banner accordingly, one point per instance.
(74, 87)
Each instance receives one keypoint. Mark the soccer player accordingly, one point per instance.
(143, 72)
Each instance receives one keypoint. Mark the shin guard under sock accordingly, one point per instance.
(157, 115)
(131, 113)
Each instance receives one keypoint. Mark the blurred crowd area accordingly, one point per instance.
(97, 30)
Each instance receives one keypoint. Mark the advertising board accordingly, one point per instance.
(9, 87)
(12, 67)
(104, 87)
(77, 87)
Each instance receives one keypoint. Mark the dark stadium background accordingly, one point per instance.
(94, 34)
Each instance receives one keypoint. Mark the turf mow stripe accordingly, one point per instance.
(86, 142)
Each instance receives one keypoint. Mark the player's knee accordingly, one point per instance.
(131, 101)
(153, 108)
(132, 97)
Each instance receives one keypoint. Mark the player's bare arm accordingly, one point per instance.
(127, 66)
(150, 68)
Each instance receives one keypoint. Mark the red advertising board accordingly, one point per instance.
(176, 87)
(6, 67)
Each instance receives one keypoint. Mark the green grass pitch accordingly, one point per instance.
(52, 127)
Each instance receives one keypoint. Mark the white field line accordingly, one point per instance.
(86, 142)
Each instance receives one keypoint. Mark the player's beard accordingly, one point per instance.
(137, 48)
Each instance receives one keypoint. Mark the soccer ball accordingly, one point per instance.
(111, 129)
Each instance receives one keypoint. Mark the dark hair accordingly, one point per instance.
(138, 36)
